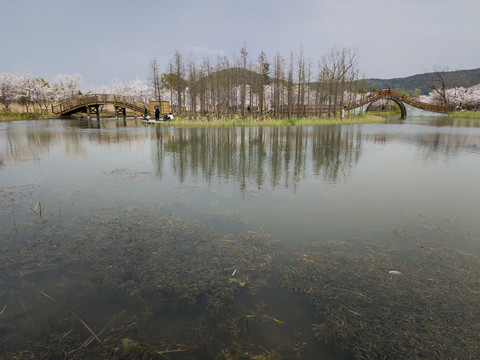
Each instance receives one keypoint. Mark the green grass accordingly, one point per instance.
(304, 121)
(6, 115)
(228, 121)
(465, 114)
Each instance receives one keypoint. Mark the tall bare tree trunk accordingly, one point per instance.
(155, 80)
(179, 73)
(243, 93)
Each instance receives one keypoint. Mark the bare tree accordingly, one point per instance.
(339, 67)
(290, 86)
(264, 70)
(243, 92)
(203, 86)
(437, 83)
(278, 81)
(301, 83)
(224, 89)
(155, 80)
(192, 84)
(179, 71)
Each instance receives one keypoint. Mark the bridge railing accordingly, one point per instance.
(72, 104)
(385, 93)
(420, 104)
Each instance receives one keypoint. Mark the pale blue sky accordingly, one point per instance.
(115, 39)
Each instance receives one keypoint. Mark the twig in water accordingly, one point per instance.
(14, 221)
(47, 296)
(276, 320)
(39, 205)
(169, 351)
(86, 326)
(89, 340)
(26, 312)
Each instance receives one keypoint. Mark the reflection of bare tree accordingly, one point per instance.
(335, 150)
(252, 155)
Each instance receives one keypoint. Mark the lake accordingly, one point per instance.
(121, 240)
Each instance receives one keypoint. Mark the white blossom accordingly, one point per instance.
(459, 96)
(67, 86)
(8, 87)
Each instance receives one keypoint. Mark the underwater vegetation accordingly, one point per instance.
(142, 284)
(382, 302)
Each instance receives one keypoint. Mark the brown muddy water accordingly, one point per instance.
(125, 241)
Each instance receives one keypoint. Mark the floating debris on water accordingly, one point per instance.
(395, 272)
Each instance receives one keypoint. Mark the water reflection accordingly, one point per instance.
(92, 213)
(279, 156)
(443, 144)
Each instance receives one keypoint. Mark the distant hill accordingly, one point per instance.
(233, 76)
(409, 84)
(465, 78)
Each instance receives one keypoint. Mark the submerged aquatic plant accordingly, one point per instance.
(422, 310)
(136, 268)
(121, 283)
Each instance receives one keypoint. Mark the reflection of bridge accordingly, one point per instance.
(406, 104)
(90, 104)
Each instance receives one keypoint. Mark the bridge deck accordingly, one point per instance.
(75, 104)
(387, 93)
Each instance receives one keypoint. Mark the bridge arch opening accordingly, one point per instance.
(400, 104)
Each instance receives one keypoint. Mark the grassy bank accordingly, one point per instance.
(214, 122)
(184, 121)
(465, 115)
(15, 116)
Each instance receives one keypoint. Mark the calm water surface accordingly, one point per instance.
(231, 242)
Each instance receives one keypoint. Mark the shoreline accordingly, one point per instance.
(183, 121)
(219, 122)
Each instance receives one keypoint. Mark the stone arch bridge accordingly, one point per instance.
(407, 104)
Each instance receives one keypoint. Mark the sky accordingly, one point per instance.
(115, 40)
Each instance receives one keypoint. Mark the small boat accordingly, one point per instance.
(146, 119)
(152, 121)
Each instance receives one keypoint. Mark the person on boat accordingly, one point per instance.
(145, 114)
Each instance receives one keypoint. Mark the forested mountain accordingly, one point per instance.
(414, 85)
(409, 84)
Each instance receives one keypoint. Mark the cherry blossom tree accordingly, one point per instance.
(8, 88)
(101, 89)
(66, 86)
(462, 98)
(43, 94)
(135, 88)
(25, 91)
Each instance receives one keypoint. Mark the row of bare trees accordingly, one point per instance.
(247, 86)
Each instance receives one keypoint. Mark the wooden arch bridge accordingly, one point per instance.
(91, 103)
(406, 104)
